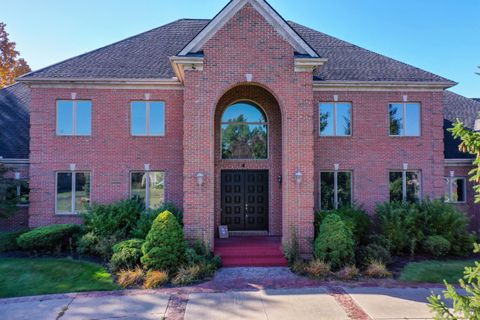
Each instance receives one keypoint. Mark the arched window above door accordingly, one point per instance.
(244, 130)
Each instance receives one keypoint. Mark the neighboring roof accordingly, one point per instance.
(476, 99)
(146, 56)
(14, 122)
(464, 109)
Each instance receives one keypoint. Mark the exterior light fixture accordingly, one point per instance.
(200, 179)
(298, 177)
(146, 167)
(72, 166)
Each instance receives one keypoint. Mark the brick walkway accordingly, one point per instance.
(234, 293)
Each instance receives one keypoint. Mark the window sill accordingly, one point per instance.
(66, 214)
(335, 137)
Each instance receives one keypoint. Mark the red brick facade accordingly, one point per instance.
(247, 45)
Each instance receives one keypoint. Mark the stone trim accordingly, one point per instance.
(458, 162)
(107, 83)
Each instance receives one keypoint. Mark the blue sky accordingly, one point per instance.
(441, 36)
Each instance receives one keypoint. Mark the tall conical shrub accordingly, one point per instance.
(334, 243)
(165, 245)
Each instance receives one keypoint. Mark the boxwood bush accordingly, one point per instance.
(49, 238)
(126, 254)
(8, 240)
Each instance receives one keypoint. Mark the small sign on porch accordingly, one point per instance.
(223, 232)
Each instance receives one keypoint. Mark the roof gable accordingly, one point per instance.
(270, 15)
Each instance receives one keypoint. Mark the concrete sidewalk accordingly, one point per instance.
(329, 303)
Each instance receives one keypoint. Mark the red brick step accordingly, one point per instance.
(254, 251)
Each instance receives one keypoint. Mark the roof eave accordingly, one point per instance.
(384, 85)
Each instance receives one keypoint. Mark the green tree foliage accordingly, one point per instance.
(241, 140)
(11, 66)
(407, 225)
(49, 238)
(335, 242)
(470, 144)
(8, 196)
(165, 246)
(464, 306)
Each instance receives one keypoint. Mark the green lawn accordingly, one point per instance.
(435, 271)
(25, 277)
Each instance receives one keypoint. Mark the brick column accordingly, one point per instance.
(198, 141)
(298, 140)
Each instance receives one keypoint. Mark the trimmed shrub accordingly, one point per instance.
(334, 243)
(128, 278)
(164, 247)
(126, 254)
(49, 238)
(354, 217)
(146, 219)
(92, 245)
(317, 269)
(155, 279)
(378, 270)
(347, 273)
(8, 241)
(437, 246)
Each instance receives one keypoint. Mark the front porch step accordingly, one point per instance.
(254, 262)
(254, 251)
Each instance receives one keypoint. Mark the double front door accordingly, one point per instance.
(245, 200)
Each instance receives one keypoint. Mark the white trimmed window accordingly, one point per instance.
(148, 186)
(148, 118)
(335, 189)
(72, 192)
(405, 186)
(455, 189)
(335, 119)
(74, 117)
(405, 119)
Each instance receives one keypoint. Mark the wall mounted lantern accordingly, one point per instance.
(200, 179)
(298, 177)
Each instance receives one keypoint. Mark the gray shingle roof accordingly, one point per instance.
(464, 109)
(146, 56)
(14, 122)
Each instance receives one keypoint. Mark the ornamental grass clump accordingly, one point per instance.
(317, 269)
(165, 246)
(130, 277)
(155, 279)
(377, 270)
(334, 244)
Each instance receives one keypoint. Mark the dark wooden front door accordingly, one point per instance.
(245, 200)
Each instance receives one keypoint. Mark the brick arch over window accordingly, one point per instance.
(265, 100)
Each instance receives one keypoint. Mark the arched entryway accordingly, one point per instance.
(248, 161)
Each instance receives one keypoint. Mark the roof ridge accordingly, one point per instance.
(98, 49)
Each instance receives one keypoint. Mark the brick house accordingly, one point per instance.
(245, 120)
